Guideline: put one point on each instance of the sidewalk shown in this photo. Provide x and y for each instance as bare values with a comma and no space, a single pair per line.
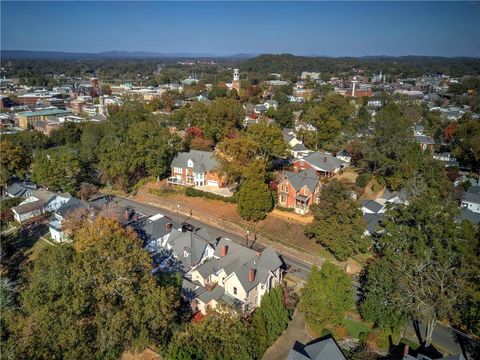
295,332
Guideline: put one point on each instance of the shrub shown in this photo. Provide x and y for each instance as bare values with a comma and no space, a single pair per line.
281,208
380,180
363,179
207,195
363,337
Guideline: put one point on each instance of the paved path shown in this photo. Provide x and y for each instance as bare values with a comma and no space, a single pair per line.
295,332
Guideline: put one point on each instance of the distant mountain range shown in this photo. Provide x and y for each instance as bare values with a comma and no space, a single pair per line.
59,55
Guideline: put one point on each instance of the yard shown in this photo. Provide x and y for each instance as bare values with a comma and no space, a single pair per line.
355,328
23,244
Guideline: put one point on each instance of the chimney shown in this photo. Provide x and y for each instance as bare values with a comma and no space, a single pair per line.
223,250
251,274
135,217
405,351
168,226
127,214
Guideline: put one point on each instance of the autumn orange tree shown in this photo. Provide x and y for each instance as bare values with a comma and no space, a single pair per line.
93,299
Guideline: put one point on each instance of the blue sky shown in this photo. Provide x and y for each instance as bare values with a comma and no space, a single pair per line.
303,28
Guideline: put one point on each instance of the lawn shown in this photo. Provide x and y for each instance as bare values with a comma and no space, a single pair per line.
411,344
354,327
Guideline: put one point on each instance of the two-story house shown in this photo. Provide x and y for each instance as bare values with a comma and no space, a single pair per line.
299,190
235,275
56,225
322,163
195,168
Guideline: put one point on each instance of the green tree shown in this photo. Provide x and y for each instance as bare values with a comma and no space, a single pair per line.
58,169
234,155
254,199
326,297
338,222
94,299
378,301
268,321
328,126
427,249
466,142
12,162
391,151
68,134
219,336
270,139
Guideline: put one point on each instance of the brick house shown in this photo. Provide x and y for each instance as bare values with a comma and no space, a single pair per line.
322,163
195,168
299,190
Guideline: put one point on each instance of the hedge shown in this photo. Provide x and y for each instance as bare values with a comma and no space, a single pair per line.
207,195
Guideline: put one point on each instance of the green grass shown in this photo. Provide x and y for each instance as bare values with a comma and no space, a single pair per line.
354,328
411,344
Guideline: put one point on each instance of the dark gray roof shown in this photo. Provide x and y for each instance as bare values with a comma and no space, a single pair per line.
373,221
203,161
71,205
240,260
469,215
191,243
28,207
19,189
303,178
326,349
422,139
474,190
191,290
343,153
472,197
372,205
322,161
157,228
299,147
214,294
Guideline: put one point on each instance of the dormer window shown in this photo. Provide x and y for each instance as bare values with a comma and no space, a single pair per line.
190,163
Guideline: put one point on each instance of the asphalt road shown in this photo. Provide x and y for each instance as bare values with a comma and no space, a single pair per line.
297,267
446,338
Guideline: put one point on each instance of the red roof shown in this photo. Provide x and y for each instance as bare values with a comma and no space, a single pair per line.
197,317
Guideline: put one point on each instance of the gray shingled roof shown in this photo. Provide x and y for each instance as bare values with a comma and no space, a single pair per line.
71,205
373,221
422,139
214,294
372,205
326,349
299,147
240,260
303,178
194,244
150,230
203,161
28,207
322,161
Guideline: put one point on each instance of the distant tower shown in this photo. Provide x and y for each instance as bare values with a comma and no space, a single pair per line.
354,81
236,80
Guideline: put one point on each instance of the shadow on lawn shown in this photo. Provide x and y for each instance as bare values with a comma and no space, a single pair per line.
15,247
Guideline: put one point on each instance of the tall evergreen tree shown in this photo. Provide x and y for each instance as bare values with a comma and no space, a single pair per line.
254,199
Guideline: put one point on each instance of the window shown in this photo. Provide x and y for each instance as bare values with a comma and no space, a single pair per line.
282,198
177,170
190,163
305,191
235,290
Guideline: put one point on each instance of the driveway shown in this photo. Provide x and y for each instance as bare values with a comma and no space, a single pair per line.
225,192
295,332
